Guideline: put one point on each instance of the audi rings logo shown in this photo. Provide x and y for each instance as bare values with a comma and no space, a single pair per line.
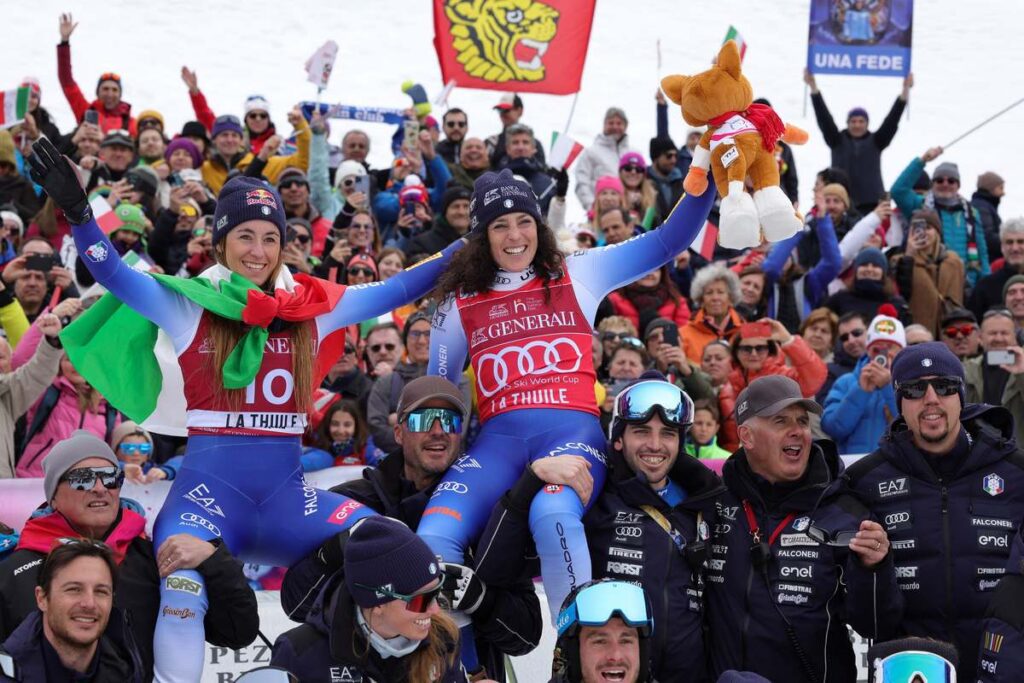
453,486
538,357
897,518
629,531
196,520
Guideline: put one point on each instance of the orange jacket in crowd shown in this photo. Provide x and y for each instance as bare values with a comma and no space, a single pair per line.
699,332
805,366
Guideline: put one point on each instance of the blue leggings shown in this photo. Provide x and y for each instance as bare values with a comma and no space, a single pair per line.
249,492
460,507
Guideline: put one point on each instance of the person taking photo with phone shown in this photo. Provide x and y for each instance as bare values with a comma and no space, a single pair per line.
929,276
994,377
862,403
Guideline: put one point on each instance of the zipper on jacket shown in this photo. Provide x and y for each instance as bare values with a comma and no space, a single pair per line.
948,552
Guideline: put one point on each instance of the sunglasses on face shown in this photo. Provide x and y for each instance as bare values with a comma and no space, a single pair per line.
300,238
964,330
856,334
670,155
377,348
146,124
84,478
293,183
455,124
257,115
361,226
422,420
633,169
916,389
752,349
418,603
631,342
945,181
141,448
365,272
614,336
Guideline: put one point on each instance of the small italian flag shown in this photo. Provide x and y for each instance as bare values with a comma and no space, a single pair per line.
733,34
104,214
564,151
14,106
707,238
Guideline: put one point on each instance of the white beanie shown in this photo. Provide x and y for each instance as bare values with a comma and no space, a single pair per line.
347,168
256,103
10,215
886,328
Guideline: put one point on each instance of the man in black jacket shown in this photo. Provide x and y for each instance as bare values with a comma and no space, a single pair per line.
76,634
989,291
857,150
506,614
948,481
451,224
794,557
82,484
649,525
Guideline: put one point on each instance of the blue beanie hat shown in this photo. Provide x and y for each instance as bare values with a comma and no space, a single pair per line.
497,194
245,199
383,552
873,256
929,359
857,111
224,123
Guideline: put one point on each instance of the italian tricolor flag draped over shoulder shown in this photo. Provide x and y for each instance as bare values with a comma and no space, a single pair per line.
13,106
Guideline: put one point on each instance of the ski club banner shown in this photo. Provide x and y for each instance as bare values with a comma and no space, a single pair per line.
860,37
523,46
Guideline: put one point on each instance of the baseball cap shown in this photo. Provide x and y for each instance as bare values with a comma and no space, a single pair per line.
423,389
770,395
509,101
118,137
958,314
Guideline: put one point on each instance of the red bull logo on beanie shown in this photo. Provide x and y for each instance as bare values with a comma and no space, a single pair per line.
259,197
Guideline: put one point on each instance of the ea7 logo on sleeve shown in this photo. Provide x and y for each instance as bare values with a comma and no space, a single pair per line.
893,488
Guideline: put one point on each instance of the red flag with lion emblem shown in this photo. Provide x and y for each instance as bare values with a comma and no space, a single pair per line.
513,45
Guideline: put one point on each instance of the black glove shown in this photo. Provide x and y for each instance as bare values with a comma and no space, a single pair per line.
58,177
463,588
561,182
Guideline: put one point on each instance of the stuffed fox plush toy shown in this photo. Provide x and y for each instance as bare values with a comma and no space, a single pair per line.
739,142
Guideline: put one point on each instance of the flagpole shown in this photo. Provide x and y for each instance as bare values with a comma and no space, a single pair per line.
805,100
983,123
572,110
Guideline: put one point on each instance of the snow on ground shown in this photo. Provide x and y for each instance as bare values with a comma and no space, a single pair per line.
966,62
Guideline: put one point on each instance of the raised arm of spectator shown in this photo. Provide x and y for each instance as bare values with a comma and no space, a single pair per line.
828,266
902,190
775,262
71,90
661,116
887,131
12,316
852,242
320,193
826,123
202,110
300,158
438,170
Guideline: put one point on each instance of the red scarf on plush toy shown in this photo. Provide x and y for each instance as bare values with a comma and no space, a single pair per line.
764,118
42,533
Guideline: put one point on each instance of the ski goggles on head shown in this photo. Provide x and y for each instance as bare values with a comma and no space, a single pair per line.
914,667
595,605
637,403
422,420
418,602
84,478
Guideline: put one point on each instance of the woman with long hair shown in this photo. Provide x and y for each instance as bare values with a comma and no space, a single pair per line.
379,618
638,190
340,439
522,314
251,342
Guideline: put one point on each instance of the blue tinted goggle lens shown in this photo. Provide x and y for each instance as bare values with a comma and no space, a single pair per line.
596,604
902,667
143,448
422,420
638,403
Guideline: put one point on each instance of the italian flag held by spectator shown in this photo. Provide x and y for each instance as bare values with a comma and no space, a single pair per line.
15,106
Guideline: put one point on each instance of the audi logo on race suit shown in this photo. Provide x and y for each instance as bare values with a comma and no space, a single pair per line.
453,486
539,357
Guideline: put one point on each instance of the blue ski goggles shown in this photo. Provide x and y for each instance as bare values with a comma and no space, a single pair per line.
637,403
595,605
914,666
422,420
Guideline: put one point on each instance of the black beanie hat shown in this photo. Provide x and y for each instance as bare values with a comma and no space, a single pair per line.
384,553
245,199
453,194
660,145
497,194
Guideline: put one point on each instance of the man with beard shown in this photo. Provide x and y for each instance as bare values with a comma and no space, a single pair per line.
948,483
959,331
520,158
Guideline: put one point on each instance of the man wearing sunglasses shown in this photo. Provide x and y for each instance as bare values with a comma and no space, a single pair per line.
293,186
384,349
959,331
778,598
505,609
456,125
82,484
962,229
948,482
665,174
851,343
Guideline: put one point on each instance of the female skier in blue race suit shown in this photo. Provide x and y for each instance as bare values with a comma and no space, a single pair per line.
523,315
242,478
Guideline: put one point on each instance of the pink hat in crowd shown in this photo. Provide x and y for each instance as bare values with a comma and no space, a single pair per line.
608,182
632,159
